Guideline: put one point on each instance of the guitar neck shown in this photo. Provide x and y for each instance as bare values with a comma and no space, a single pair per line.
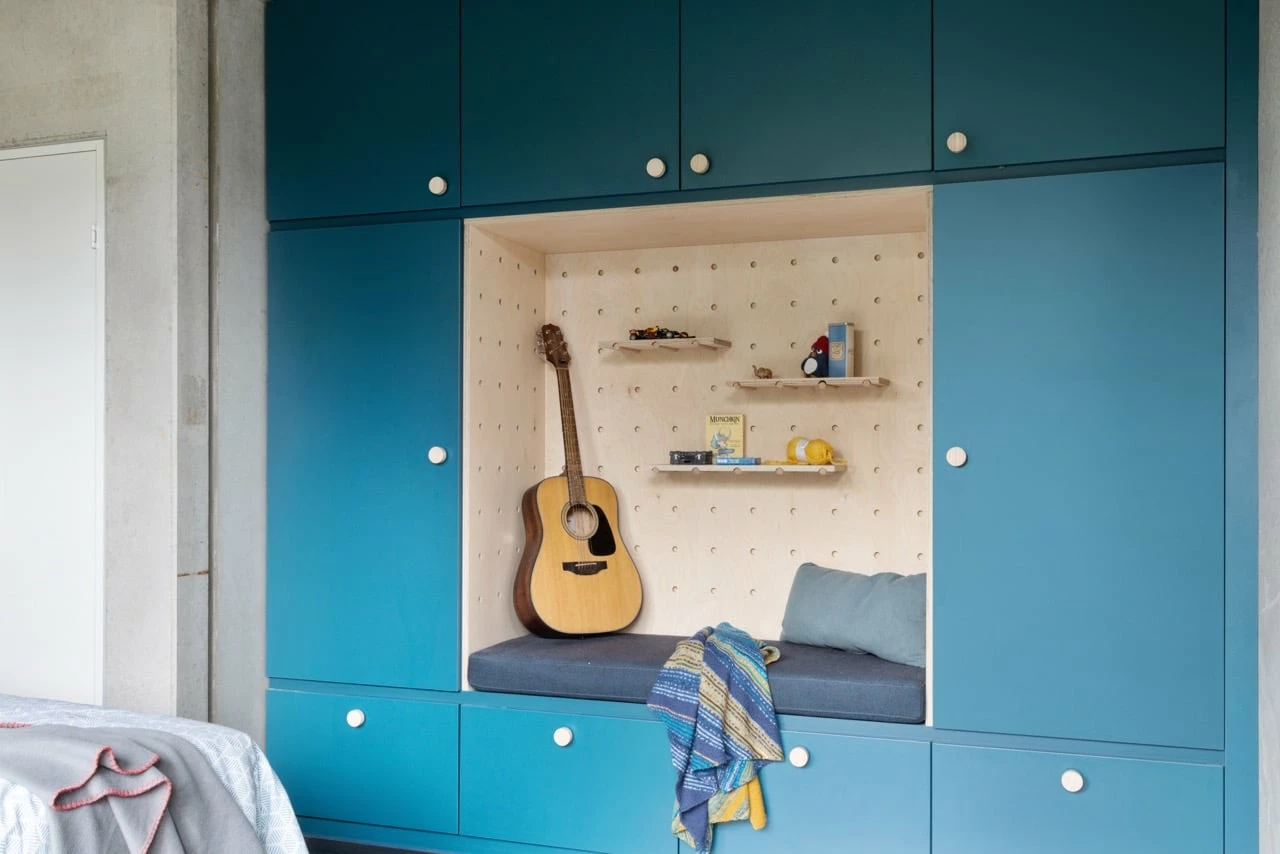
569,427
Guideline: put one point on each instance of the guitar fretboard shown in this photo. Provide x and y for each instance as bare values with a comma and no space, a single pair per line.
569,427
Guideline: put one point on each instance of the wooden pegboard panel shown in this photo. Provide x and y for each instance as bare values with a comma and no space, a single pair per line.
503,443
714,548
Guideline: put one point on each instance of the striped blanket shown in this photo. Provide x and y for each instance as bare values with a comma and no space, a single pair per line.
713,695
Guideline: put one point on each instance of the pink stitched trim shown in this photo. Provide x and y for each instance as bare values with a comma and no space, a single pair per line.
168,793
111,764
106,758
12,725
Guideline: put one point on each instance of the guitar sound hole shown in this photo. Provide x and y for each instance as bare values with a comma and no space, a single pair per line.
580,521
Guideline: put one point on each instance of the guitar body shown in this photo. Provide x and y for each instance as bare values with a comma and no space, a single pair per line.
575,577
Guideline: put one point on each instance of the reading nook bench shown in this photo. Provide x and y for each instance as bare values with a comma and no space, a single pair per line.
806,680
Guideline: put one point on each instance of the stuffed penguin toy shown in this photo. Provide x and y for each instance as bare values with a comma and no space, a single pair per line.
815,364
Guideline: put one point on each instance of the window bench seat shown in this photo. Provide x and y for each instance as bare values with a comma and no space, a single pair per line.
806,680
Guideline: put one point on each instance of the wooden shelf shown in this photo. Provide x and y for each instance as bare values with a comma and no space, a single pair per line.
811,382
760,469
668,344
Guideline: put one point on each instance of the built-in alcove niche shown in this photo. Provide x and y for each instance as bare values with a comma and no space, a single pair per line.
765,276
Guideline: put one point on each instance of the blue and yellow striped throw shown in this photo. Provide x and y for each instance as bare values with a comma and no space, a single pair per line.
713,695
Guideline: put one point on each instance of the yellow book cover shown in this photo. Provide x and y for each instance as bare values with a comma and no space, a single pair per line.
726,435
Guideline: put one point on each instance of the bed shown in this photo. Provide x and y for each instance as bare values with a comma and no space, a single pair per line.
233,756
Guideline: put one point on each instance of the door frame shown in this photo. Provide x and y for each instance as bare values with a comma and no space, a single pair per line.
97,147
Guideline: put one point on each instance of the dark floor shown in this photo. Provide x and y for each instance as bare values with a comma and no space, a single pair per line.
329,846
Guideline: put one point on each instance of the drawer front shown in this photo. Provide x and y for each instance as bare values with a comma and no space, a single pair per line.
611,788
366,759
854,795
988,801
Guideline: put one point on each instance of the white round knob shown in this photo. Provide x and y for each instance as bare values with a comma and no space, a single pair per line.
1072,780
438,186
957,457
355,718
699,163
563,736
656,167
437,455
799,756
957,142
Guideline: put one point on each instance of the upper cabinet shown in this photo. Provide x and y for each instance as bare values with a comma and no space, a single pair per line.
1019,82
565,99
774,92
362,107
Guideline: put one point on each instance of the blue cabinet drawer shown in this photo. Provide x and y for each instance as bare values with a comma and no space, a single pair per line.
854,795
988,801
609,789
366,759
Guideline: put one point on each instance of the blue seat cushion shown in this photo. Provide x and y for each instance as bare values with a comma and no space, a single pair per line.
806,680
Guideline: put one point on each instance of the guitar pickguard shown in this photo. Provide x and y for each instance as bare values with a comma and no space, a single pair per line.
602,543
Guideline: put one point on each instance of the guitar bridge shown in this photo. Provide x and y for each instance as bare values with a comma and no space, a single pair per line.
584,567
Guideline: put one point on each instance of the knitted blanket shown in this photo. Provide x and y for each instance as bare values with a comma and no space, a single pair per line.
713,695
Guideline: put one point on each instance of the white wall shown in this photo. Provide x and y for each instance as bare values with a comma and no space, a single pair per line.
1269,426
72,69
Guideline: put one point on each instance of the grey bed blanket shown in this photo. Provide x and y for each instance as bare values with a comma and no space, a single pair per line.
125,791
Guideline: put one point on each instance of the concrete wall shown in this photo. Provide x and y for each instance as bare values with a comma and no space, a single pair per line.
239,369
72,69
1269,427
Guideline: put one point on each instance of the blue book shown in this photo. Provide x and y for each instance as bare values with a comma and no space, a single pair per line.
737,461
840,361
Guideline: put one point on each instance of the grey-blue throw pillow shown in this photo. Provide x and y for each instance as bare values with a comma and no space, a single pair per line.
882,614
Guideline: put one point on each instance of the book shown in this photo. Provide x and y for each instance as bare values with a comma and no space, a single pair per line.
737,461
726,435
840,362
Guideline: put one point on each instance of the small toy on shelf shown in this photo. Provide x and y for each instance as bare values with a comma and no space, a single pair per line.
657,333
763,373
692,458
815,364
814,452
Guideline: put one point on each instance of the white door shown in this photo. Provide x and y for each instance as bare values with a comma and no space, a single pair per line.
51,414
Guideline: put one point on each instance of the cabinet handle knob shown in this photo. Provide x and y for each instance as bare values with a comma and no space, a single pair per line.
799,756
656,167
355,719
563,736
699,163
1072,780
438,186
957,457
957,142
437,455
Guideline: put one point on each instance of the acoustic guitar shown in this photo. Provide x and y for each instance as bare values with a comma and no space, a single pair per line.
575,577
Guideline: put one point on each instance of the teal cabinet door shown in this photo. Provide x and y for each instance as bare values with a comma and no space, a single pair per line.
363,529
567,781
362,107
366,759
988,801
775,92
1034,82
1078,359
854,795
564,99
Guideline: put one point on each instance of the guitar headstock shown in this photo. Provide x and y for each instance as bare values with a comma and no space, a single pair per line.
550,343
